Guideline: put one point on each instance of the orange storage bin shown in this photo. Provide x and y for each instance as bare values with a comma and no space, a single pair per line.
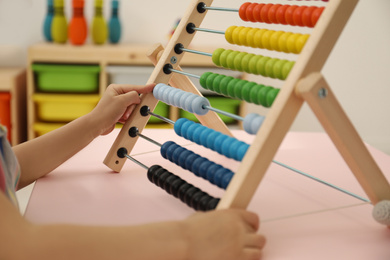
5,111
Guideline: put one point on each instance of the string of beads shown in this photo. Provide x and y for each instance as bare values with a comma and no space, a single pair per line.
280,14
217,175
200,166
252,63
209,138
176,186
200,105
238,88
188,160
179,98
281,41
179,188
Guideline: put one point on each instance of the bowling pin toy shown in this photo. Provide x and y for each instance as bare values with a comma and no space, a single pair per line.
99,26
48,21
114,23
78,24
59,26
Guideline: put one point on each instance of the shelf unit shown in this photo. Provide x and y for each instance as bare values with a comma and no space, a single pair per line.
102,56
13,86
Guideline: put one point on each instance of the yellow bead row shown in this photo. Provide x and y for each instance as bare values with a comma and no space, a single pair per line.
266,39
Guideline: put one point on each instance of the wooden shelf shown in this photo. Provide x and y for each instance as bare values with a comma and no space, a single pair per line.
124,54
101,55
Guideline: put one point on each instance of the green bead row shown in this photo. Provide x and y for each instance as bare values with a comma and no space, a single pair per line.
252,63
238,88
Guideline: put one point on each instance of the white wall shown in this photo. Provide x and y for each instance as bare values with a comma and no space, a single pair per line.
357,69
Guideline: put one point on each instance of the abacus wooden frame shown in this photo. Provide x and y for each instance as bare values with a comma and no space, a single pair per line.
301,85
158,76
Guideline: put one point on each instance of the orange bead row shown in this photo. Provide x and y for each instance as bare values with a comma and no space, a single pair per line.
281,14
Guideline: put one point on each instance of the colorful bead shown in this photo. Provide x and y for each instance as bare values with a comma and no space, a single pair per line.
238,88
266,39
280,14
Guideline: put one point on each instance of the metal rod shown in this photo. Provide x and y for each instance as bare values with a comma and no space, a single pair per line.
136,161
224,113
220,9
321,181
149,139
197,52
185,73
276,162
162,118
207,30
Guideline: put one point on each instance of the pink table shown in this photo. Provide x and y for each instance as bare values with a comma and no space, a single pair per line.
301,218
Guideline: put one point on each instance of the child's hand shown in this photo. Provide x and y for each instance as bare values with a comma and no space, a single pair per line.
116,105
224,234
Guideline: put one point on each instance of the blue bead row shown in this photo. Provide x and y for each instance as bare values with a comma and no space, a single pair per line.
200,166
209,138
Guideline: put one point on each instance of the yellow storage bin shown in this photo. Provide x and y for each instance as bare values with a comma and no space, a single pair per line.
63,108
44,128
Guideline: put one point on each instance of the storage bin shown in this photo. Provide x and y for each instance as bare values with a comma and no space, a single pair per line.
228,105
67,78
65,107
44,128
136,75
5,112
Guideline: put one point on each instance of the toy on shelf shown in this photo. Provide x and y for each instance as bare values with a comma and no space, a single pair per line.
303,82
99,25
114,24
78,25
59,27
48,21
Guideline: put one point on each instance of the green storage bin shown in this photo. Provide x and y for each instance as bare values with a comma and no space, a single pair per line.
67,78
228,105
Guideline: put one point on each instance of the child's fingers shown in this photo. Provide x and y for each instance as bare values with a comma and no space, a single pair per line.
254,241
126,114
251,220
130,98
251,254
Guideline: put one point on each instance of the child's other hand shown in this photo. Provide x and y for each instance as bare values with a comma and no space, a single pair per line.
224,234
116,105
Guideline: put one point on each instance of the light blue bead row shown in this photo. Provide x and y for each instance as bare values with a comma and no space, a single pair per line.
252,123
199,105
179,98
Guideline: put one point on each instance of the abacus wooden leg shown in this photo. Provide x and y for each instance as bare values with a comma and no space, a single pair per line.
263,149
317,93
158,76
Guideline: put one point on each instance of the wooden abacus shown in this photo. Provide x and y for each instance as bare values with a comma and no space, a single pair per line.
303,83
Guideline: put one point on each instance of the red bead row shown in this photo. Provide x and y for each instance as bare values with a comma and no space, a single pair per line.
280,14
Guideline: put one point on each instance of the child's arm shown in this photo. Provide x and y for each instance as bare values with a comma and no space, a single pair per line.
41,155
225,234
